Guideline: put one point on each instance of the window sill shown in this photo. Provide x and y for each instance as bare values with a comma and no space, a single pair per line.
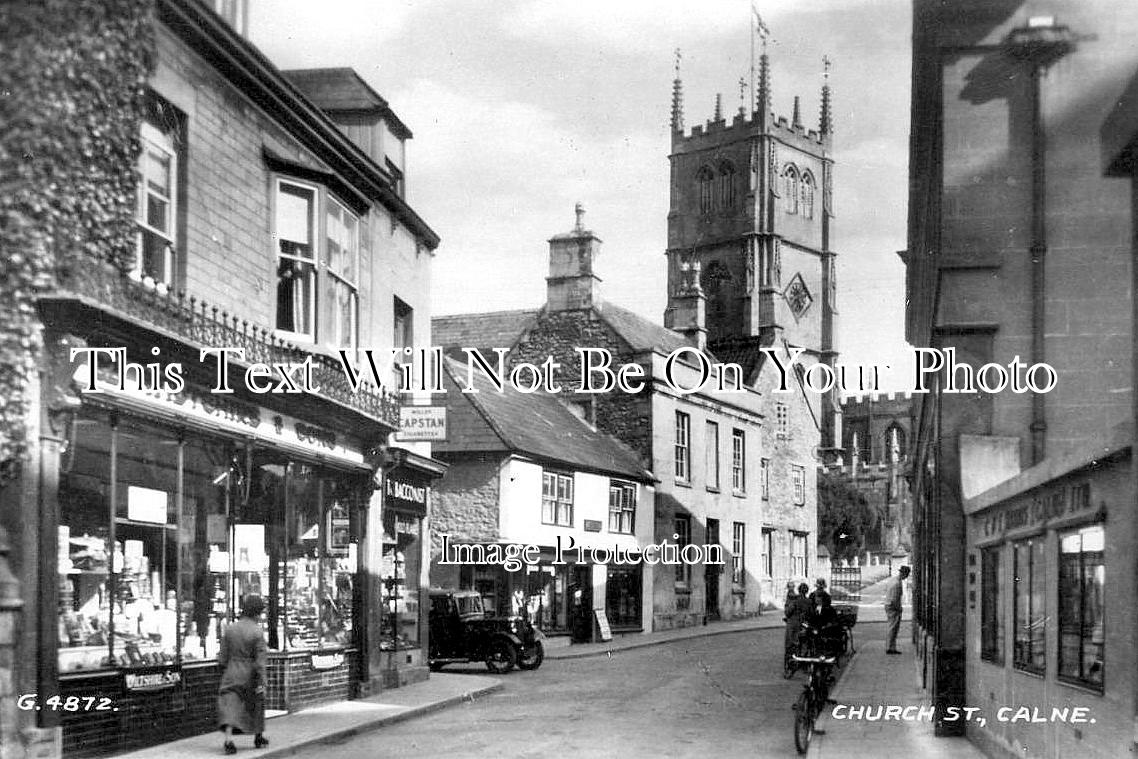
1020,669
1084,687
300,338
682,483
739,493
713,489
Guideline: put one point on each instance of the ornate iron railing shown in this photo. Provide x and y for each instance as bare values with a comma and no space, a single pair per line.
204,325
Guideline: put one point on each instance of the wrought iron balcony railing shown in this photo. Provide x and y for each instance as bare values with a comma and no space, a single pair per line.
203,325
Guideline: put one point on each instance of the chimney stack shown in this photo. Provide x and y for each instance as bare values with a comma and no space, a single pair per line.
687,308
571,284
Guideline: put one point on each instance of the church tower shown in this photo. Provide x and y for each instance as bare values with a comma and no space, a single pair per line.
751,210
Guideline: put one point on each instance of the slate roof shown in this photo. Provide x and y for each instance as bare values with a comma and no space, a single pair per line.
342,89
640,333
496,329
535,424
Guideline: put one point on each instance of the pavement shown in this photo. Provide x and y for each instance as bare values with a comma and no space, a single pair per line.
871,678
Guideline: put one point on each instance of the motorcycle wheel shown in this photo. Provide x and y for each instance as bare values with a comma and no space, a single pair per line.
501,657
534,660
803,723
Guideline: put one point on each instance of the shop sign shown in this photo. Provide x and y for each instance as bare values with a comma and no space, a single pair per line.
1050,503
592,525
227,413
408,493
327,661
146,504
151,681
422,423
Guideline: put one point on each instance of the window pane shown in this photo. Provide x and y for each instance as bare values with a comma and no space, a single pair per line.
294,220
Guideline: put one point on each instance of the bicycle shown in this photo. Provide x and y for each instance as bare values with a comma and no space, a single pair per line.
814,695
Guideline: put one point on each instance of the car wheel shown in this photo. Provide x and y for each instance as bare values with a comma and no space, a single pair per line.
436,666
535,658
501,657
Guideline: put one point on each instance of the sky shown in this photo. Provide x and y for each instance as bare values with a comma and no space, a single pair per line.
522,108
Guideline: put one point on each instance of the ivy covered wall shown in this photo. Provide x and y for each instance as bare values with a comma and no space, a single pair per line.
72,76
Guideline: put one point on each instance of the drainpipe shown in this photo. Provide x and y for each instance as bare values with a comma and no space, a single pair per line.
1039,44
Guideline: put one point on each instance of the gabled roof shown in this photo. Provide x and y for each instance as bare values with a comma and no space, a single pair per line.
534,424
496,329
342,89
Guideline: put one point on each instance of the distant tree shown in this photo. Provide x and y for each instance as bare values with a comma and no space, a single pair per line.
844,516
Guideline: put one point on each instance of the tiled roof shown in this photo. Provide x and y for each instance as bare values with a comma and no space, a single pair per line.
496,329
535,424
640,333
743,351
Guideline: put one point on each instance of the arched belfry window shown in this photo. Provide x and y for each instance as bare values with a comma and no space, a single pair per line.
807,195
706,180
790,186
726,185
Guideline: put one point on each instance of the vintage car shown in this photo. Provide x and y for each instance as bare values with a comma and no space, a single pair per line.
462,631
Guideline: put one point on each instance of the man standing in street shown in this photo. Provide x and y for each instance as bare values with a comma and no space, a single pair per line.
893,610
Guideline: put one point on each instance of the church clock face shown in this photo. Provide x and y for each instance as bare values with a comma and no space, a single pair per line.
798,296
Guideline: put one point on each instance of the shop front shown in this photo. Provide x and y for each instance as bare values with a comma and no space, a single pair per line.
172,508
1051,602
559,598
398,656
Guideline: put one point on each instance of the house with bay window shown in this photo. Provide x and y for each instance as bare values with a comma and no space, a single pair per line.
266,224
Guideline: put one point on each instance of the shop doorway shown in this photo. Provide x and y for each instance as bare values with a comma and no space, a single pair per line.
581,603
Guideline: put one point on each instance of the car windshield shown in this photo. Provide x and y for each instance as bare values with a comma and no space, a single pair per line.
470,606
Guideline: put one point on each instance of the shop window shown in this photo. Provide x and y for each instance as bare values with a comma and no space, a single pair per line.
144,585
682,448
622,507
798,480
557,499
402,562
157,206
711,455
1082,614
738,461
768,553
738,554
991,608
682,536
1028,617
765,478
798,565
623,597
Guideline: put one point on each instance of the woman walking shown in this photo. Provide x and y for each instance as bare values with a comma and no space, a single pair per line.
241,696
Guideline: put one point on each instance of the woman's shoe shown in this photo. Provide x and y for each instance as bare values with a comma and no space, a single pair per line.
230,748
260,741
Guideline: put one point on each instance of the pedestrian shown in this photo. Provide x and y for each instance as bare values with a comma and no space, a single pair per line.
818,594
893,609
241,695
794,612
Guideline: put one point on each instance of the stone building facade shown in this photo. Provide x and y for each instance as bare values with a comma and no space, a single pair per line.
1020,249
215,207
